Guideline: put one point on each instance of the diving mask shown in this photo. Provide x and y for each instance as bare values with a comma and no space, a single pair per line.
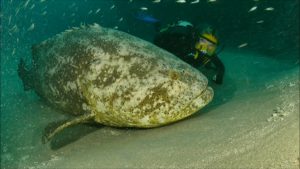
206,46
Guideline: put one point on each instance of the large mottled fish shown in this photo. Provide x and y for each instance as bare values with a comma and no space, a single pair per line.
113,78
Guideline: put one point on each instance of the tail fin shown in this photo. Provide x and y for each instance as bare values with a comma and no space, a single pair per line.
25,75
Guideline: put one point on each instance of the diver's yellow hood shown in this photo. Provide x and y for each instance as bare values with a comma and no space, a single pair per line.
210,37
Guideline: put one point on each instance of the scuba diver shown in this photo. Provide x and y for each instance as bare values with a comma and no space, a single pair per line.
194,46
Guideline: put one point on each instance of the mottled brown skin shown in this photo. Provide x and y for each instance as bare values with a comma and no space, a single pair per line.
116,79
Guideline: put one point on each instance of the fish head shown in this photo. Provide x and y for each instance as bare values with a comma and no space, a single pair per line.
181,91
162,89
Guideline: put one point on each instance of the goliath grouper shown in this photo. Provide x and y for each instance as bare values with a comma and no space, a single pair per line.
113,78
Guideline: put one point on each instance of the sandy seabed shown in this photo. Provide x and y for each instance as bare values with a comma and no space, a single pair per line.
253,122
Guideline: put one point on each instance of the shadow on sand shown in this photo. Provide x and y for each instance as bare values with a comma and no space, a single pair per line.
72,134
222,94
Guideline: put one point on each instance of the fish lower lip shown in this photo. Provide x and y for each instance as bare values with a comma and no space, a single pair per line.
201,92
203,98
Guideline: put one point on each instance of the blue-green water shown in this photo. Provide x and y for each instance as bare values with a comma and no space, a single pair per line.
253,121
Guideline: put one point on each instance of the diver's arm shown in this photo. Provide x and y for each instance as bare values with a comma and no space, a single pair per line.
190,60
220,69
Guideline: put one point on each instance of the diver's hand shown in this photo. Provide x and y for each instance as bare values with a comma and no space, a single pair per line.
214,78
192,55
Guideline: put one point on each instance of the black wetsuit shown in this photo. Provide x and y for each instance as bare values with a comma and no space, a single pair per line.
181,41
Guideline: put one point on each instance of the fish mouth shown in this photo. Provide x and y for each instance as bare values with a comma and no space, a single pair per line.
201,99
203,91
198,102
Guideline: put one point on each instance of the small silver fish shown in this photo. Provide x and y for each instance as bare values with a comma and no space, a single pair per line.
97,11
181,1
242,45
269,9
252,9
26,3
32,6
260,21
144,8
44,13
14,51
196,1
156,1
14,28
9,20
31,27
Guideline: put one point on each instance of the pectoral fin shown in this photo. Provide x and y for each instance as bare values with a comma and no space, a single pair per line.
52,130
